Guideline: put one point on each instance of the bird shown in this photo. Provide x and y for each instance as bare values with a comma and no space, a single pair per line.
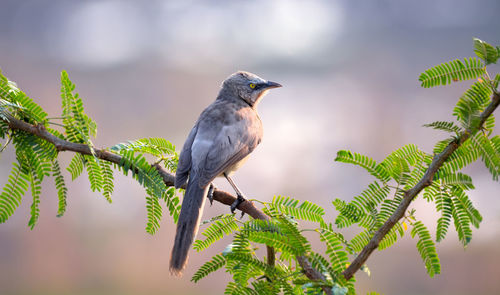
222,138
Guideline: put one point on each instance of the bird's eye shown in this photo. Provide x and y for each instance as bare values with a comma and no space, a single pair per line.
252,85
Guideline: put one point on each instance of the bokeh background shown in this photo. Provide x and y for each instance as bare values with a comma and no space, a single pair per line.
148,68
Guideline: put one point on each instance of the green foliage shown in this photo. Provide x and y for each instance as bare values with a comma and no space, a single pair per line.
217,262
12,193
407,166
133,159
445,205
220,226
154,214
76,166
147,176
458,180
94,172
107,179
471,103
78,126
335,249
456,70
496,81
62,191
445,126
34,156
486,52
305,211
363,161
172,201
18,104
158,147
426,248
282,233
36,188
490,154
37,158
463,156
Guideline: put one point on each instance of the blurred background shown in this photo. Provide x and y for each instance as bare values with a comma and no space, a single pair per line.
148,68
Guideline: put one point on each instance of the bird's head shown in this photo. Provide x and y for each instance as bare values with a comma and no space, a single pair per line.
249,87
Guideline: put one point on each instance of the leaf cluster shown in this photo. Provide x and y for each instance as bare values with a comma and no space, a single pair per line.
38,159
253,275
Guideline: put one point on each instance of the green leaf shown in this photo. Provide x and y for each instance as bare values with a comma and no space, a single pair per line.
363,161
36,188
76,166
156,146
445,206
219,227
371,197
463,156
236,289
456,70
399,162
62,191
465,203
389,206
94,172
154,214
489,154
462,222
107,179
13,191
496,81
78,125
459,179
471,104
217,262
281,235
247,259
418,170
444,126
349,214
151,180
426,248
334,249
305,211
173,203
24,107
321,264
485,51
391,237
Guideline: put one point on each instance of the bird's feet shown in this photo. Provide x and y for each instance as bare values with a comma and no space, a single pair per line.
240,199
210,194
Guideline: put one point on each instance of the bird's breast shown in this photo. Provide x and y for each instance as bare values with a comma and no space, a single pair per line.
236,166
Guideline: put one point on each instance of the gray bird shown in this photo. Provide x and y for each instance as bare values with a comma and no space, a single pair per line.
226,132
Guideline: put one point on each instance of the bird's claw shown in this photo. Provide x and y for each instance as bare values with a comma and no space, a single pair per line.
240,199
210,194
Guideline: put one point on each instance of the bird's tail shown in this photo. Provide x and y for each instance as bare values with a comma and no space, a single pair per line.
187,225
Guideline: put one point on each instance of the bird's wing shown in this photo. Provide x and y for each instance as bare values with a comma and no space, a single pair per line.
184,164
232,144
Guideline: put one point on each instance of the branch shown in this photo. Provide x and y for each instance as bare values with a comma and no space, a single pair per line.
168,178
409,195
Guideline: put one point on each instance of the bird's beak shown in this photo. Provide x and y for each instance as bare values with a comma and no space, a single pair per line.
271,84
